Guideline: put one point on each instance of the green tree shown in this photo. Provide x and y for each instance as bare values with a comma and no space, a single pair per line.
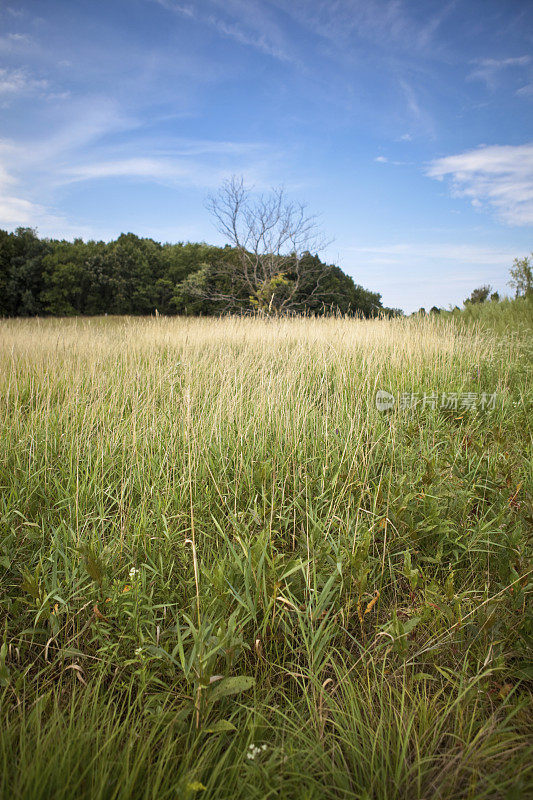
5,272
63,295
191,296
479,295
66,278
132,275
522,276
132,265
24,283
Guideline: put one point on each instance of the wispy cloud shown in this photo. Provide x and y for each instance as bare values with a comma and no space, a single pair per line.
383,22
450,271
16,210
498,176
30,170
393,163
490,70
15,43
19,81
199,164
427,32
246,23
378,41
418,114
525,91
93,148
466,254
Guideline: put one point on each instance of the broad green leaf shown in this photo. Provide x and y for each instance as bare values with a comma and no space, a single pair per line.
236,685
222,726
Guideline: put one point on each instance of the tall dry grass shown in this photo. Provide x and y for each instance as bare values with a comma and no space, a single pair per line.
193,503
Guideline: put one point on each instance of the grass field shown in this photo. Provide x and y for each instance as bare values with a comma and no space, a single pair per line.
224,573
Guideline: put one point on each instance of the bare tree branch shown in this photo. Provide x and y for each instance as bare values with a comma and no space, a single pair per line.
270,236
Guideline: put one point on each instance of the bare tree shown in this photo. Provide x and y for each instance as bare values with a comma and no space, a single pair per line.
270,237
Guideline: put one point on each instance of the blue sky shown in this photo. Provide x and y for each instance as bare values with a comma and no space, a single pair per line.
407,126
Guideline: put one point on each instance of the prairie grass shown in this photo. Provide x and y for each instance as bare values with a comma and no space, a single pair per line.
225,573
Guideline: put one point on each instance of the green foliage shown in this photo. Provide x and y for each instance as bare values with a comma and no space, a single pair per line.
21,268
522,276
479,295
271,294
503,317
132,275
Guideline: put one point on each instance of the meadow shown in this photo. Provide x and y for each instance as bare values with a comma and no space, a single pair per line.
225,573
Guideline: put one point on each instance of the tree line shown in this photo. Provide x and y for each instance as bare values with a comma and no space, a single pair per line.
135,275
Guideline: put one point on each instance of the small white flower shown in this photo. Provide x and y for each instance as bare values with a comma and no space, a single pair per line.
138,651
254,751
133,572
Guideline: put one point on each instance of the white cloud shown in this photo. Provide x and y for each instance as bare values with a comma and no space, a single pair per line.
19,38
385,160
414,274
200,163
418,114
498,176
489,70
17,211
85,149
415,252
245,22
164,171
15,43
18,81
29,170
385,23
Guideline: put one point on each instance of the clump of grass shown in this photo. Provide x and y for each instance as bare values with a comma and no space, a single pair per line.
214,544
503,316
